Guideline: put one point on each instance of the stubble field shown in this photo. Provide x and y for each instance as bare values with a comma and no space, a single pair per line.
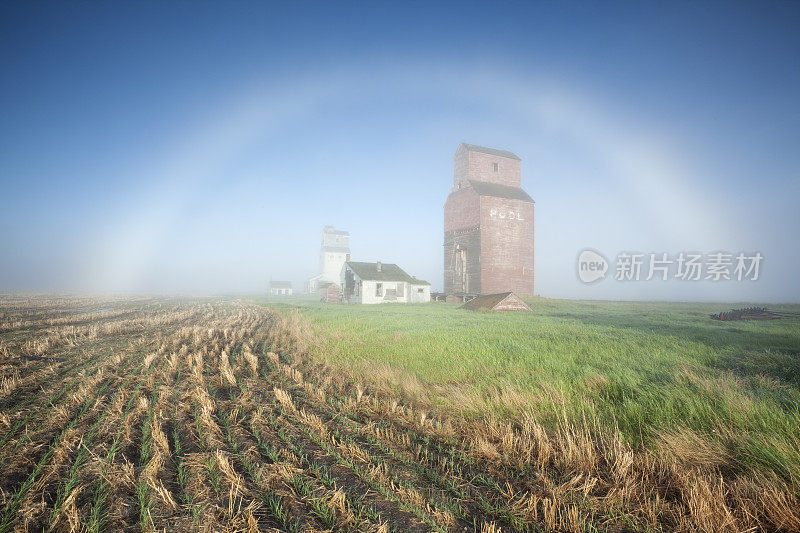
222,415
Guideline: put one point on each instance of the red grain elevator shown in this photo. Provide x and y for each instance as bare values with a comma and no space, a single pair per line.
488,225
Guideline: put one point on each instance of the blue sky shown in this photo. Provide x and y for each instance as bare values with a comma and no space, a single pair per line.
200,147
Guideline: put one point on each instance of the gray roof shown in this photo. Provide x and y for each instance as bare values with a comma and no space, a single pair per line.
500,191
280,284
490,151
389,272
340,249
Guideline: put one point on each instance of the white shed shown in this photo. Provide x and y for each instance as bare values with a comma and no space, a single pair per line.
280,288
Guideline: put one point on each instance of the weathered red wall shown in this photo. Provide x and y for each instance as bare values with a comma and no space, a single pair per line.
460,168
461,228
506,245
470,165
481,168
462,210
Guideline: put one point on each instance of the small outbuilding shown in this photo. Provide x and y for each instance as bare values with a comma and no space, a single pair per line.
374,283
280,288
329,292
503,301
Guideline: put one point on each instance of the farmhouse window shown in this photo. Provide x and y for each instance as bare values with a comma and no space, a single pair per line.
420,291
379,289
495,166
400,290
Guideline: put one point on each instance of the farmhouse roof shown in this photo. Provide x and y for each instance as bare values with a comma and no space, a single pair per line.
490,151
496,190
488,302
280,284
388,272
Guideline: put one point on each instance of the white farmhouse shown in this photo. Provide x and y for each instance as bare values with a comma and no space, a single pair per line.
375,283
333,252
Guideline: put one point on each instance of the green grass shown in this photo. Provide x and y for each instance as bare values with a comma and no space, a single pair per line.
645,367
